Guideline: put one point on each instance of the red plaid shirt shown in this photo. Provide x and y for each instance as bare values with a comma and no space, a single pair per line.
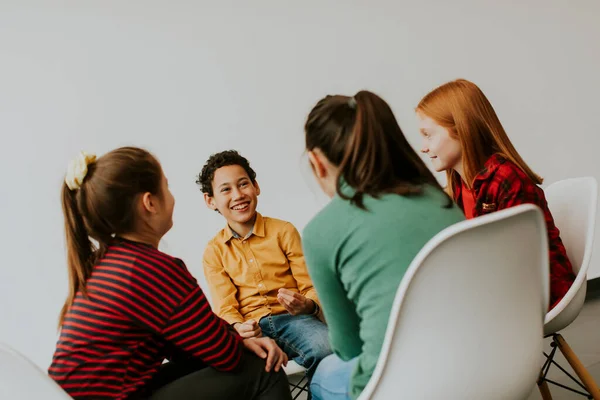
501,184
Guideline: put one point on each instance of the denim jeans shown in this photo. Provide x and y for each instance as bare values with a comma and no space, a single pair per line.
304,338
332,379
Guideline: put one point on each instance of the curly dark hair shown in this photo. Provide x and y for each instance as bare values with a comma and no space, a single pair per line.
218,160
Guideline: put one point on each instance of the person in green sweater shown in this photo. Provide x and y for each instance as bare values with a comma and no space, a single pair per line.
386,205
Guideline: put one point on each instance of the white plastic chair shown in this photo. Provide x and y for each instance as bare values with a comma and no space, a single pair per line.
573,203
467,320
301,386
20,379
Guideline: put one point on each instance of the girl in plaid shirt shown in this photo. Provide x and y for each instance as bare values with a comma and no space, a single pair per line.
463,136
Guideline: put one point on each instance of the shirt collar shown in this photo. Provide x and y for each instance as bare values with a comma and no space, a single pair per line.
489,169
345,188
258,230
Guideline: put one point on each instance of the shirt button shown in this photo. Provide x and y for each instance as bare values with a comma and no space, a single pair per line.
260,285
252,260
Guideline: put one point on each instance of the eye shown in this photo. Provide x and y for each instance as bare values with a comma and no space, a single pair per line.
244,184
224,190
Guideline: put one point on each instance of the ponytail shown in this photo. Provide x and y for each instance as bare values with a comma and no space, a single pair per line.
80,251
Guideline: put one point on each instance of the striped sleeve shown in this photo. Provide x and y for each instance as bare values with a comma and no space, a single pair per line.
197,331
162,296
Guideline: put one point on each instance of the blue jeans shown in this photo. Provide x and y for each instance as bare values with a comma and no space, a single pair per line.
332,379
303,338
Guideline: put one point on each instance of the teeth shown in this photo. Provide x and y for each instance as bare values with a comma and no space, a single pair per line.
240,206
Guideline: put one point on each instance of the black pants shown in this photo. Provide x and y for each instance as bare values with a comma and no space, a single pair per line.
183,380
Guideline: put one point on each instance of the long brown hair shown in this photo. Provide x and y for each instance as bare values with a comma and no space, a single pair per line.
102,207
462,108
361,136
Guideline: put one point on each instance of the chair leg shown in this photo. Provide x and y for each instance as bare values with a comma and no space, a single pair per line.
296,389
544,390
580,370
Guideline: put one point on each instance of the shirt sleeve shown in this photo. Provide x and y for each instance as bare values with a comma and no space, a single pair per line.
165,299
336,306
222,290
292,246
198,332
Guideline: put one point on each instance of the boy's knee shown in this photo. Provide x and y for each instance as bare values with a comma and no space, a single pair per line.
319,350
322,348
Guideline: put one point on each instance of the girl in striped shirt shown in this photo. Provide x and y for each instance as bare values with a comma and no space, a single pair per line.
130,306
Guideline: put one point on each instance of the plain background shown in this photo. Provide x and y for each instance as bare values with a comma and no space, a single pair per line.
187,79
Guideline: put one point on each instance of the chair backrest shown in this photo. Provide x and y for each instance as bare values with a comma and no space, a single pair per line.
573,203
467,319
20,379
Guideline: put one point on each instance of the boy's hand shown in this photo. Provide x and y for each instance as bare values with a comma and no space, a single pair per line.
267,348
295,303
248,329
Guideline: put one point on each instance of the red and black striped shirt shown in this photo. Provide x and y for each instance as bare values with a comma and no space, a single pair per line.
143,306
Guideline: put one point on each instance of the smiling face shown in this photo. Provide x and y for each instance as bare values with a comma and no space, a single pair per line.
442,147
235,196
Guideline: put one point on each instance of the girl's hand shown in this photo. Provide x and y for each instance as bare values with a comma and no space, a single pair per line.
265,347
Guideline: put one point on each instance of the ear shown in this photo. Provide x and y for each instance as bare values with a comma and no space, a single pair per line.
255,183
149,203
317,164
210,202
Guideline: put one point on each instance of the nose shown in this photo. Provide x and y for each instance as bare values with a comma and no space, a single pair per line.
236,192
424,148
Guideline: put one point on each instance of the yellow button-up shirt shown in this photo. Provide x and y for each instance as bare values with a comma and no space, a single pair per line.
245,274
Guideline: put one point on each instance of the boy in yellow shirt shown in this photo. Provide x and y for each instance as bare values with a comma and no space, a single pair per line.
255,266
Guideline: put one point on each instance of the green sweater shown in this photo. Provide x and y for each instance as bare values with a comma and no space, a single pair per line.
356,260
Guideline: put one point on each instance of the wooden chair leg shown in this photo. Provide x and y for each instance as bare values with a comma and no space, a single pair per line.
580,370
544,390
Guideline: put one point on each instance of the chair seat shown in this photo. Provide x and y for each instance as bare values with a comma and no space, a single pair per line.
293,368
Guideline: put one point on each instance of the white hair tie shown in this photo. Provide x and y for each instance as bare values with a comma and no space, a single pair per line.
352,102
78,169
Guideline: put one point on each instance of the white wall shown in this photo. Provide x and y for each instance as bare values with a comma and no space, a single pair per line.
186,79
